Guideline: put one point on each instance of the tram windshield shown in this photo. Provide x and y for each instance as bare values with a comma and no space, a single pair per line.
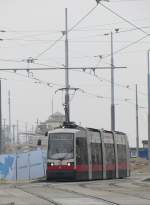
60,146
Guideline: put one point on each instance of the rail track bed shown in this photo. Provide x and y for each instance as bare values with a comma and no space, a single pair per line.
131,191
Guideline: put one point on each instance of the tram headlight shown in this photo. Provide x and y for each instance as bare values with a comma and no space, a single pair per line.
52,163
69,164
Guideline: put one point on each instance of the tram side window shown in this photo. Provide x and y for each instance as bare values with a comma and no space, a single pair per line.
81,151
93,152
110,153
122,157
99,153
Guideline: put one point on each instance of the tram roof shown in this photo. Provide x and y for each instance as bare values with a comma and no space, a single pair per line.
64,130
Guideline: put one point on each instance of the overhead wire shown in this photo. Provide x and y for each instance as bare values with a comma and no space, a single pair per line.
48,40
123,18
37,80
126,100
80,89
80,20
51,46
86,16
127,46
109,81
129,22
76,24
109,24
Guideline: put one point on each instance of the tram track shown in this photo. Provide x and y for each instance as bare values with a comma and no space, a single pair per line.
86,195
128,192
51,201
124,191
108,192
133,192
54,202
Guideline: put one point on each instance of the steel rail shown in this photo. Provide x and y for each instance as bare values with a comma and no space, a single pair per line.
66,190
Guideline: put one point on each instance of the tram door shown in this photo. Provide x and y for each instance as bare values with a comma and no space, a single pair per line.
122,155
81,156
109,149
96,155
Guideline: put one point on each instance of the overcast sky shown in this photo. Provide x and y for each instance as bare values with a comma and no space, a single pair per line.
31,28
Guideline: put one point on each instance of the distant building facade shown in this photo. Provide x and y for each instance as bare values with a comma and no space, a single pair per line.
54,120
145,143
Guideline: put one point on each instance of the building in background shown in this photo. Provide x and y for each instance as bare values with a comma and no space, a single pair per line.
143,151
145,143
54,120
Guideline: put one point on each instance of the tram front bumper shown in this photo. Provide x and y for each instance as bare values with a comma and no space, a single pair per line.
61,174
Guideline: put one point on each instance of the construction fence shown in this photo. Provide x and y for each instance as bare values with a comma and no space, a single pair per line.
23,166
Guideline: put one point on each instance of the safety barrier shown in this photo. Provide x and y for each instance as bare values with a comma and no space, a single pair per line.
23,166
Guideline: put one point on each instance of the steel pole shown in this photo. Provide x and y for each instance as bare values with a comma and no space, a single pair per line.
1,147
148,84
18,140
13,127
112,87
137,123
52,105
4,131
9,107
67,103
26,131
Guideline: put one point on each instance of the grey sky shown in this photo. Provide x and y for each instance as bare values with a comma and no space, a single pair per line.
33,25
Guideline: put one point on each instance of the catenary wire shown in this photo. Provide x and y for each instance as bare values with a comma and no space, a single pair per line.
127,46
78,22
36,79
48,40
126,20
109,81
109,24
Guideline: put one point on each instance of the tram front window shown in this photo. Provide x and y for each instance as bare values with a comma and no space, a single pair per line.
60,146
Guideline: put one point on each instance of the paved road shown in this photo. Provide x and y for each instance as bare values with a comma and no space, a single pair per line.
132,191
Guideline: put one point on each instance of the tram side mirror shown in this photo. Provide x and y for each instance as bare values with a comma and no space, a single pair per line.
46,134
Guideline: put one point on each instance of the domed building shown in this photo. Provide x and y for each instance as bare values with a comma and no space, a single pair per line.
54,120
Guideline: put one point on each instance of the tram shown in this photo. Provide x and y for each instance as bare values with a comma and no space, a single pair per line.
80,153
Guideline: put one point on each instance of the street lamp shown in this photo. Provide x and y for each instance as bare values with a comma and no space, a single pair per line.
148,88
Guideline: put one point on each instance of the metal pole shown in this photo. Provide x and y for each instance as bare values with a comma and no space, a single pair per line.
26,132
4,130
29,165
112,87
0,120
148,84
67,105
9,107
137,123
13,134
18,141
16,166
52,104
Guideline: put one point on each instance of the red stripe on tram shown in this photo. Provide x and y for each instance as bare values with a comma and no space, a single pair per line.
59,168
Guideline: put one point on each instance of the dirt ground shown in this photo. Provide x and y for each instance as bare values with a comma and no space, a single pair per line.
139,165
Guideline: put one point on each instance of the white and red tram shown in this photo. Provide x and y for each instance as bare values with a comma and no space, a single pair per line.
79,153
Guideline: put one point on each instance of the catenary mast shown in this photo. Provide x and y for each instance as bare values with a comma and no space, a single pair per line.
67,103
